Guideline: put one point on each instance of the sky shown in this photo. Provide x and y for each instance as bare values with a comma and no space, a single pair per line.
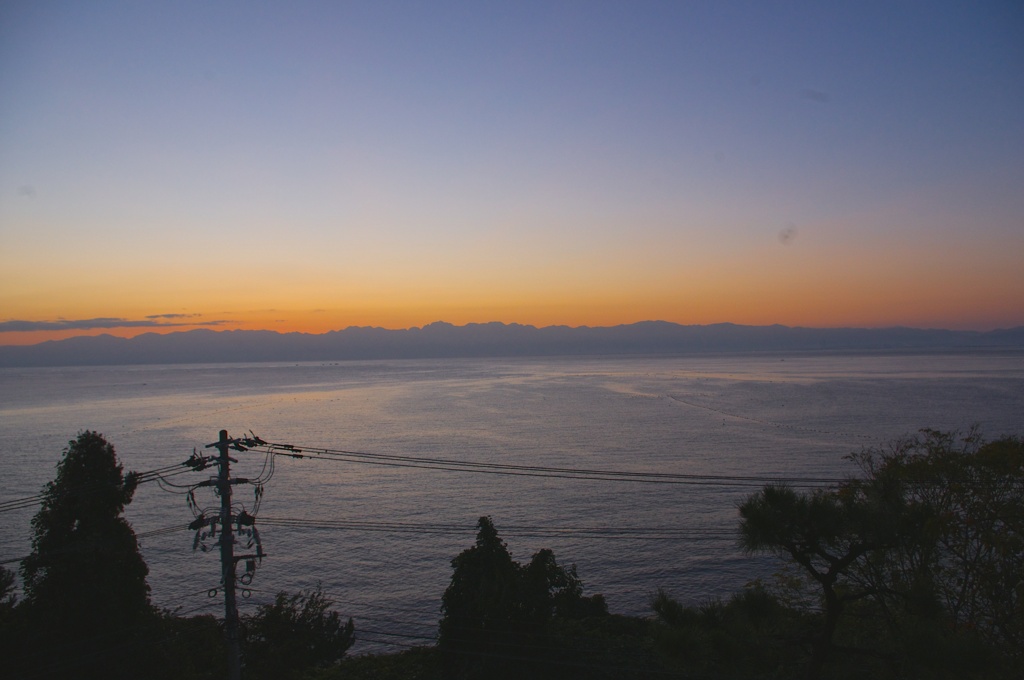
309,166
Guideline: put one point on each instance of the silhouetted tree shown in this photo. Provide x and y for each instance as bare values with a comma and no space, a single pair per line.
293,635
957,582
928,547
737,638
7,598
85,580
9,637
188,648
480,622
496,612
825,532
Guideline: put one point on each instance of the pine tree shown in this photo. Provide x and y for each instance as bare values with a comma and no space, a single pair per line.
85,580
497,612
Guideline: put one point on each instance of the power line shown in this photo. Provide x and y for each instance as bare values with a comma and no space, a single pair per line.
154,475
82,546
536,531
19,503
452,465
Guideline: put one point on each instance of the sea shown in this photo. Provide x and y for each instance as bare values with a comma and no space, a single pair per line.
379,504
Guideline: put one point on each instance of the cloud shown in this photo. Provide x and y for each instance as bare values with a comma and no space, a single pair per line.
173,316
154,321
816,96
787,235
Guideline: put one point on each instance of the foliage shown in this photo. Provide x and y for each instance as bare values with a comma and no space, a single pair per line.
826,533
743,637
496,612
591,648
609,647
187,648
9,637
917,565
418,663
292,635
961,575
7,598
85,580
480,605
913,570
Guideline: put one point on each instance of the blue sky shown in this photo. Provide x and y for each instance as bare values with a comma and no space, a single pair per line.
582,163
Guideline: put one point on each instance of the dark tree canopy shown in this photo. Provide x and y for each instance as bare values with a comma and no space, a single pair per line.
85,580
962,570
292,635
7,598
496,612
825,533
7,608
927,546
482,603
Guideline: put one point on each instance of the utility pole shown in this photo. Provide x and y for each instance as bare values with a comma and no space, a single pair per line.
208,523
227,559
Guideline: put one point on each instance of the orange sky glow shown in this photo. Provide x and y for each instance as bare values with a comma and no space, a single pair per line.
160,173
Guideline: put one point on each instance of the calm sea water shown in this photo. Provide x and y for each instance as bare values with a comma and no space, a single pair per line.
789,416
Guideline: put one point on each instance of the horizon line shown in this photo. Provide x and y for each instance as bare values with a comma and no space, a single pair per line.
152,325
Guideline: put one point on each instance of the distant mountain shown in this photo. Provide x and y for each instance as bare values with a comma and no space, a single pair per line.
441,339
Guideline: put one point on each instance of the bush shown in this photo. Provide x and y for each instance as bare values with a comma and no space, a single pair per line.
293,635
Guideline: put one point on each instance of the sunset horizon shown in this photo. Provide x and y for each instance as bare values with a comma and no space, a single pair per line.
721,302
314,168
23,332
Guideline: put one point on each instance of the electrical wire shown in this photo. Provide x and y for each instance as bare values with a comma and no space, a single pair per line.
157,475
19,503
83,546
161,532
534,531
452,465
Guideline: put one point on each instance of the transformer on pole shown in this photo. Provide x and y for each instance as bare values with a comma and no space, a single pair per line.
229,524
